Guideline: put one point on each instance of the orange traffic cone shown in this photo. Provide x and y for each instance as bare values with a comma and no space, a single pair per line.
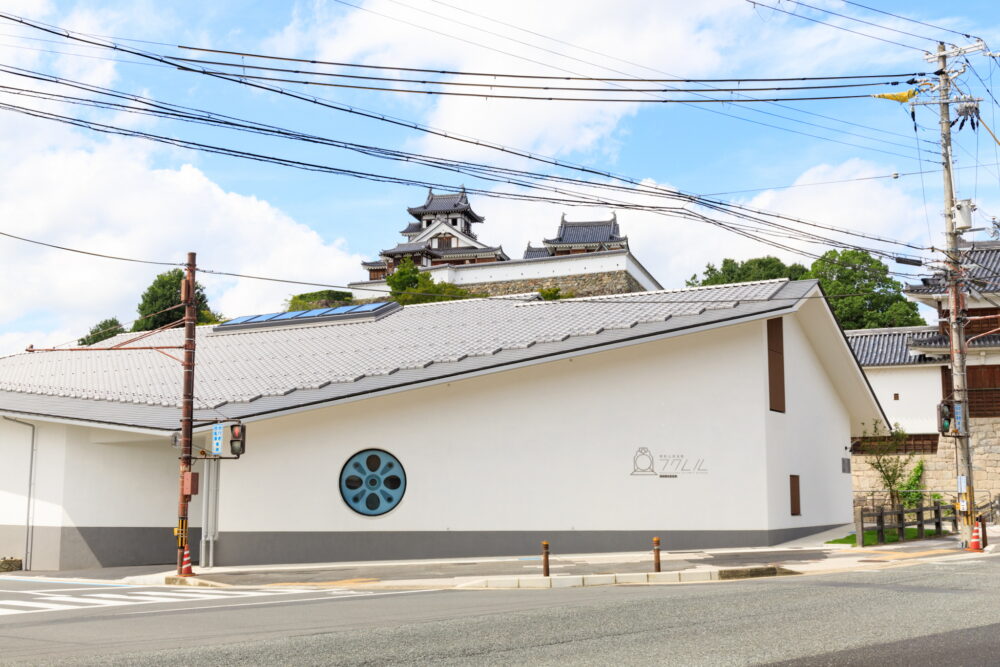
186,570
975,544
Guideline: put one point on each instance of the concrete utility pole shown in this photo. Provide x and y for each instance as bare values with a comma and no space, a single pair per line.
188,485
956,302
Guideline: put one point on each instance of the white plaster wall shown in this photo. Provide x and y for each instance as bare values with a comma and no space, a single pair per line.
919,389
808,439
121,480
15,443
544,447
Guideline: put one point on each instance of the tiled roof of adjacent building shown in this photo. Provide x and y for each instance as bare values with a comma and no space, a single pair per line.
981,262
888,347
587,232
534,253
412,228
257,372
456,202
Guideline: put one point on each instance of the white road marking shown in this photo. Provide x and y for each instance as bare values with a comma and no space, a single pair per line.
263,602
39,601
48,606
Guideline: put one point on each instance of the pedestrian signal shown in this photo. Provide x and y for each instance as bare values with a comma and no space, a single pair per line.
237,439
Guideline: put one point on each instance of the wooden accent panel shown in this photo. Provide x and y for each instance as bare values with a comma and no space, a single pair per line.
793,487
776,364
915,443
984,389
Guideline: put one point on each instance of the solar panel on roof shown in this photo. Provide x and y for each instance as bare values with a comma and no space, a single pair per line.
289,315
340,310
368,307
238,320
316,311
263,318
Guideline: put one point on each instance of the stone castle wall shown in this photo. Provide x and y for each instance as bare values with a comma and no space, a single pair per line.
584,284
939,468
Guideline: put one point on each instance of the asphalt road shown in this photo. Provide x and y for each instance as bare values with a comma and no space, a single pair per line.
932,613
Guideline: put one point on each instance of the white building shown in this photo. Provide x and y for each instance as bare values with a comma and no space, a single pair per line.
715,416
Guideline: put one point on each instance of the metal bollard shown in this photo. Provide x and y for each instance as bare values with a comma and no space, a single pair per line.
545,559
656,554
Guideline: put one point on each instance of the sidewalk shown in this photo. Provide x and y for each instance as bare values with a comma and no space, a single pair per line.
799,557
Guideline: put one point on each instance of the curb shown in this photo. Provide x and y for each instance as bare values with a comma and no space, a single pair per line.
679,577
192,581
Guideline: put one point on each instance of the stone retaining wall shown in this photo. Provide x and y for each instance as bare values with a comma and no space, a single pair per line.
939,468
584,284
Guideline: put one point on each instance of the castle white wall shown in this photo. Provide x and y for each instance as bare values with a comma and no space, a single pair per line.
918,389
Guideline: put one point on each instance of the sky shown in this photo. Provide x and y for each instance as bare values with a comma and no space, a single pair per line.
830,162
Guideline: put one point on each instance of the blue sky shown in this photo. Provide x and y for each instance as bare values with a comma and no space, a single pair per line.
121,195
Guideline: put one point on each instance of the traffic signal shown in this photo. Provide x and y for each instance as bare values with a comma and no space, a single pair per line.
945,416
237,439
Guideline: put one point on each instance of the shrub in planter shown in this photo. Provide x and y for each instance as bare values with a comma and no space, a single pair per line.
10,564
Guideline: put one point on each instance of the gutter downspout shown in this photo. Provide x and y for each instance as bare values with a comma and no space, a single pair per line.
29,517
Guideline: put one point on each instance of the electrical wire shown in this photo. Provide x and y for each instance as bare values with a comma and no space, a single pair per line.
651,69
616,90
755,3
85,252
226,122
904,18
857,20
496,75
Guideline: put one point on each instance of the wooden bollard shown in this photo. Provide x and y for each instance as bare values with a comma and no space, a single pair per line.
656,554
545,559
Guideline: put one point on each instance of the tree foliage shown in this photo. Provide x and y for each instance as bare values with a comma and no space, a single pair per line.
164,292
554,294
327,298
862,294
882,447
758,268
410,285
102,331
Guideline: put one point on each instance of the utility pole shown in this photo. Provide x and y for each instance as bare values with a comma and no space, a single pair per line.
956,300
188,486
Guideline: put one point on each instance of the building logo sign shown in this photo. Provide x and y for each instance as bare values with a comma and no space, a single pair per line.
666,466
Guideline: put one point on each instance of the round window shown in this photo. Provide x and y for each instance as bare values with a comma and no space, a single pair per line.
372,482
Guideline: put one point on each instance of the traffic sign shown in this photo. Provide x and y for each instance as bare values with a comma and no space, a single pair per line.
217,431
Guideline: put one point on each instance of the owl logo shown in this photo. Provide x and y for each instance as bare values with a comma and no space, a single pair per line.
642,462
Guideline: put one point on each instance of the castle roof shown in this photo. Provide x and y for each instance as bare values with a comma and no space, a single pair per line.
453,202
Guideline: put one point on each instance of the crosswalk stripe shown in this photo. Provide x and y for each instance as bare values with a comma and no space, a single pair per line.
82,600
133,597
35,605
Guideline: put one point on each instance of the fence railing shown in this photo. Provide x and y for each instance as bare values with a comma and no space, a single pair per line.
898,519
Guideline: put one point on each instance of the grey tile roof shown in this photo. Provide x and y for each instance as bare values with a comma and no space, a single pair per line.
583,233
888,347
982,264
533,253
413,228
935,340
455,202
248,373
405,248
467,250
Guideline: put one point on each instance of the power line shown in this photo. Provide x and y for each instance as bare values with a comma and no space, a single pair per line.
92,254
617,90
383,117
755,3
651,69
474,169
494,75
904,18
876,25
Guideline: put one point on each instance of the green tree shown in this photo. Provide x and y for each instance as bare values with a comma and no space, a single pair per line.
757,268
554,294
410,285
164,292
327,298
102,331
882,449
861,293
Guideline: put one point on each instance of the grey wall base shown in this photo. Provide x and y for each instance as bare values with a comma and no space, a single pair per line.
78,548
253,548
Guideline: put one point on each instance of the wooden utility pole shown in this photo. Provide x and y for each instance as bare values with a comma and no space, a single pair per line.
187,484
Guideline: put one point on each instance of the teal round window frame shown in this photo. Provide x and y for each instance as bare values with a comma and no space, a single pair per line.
372,482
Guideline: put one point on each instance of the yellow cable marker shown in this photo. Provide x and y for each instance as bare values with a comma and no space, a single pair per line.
904,96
